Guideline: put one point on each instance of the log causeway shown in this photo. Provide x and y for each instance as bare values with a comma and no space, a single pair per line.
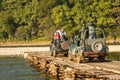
64,69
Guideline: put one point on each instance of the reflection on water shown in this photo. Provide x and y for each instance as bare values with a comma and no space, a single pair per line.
16,68
114,56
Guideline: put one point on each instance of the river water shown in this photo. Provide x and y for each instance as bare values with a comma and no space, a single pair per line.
114,56
17,68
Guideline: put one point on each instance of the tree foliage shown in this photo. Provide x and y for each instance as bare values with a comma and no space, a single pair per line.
34,19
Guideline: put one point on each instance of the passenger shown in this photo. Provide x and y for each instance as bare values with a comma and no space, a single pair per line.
62,34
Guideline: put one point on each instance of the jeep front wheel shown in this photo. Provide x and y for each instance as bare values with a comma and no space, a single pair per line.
54,53
80,58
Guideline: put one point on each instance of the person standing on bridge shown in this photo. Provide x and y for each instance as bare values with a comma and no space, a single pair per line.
92,33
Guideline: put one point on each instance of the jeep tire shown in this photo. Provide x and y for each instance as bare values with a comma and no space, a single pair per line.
97,46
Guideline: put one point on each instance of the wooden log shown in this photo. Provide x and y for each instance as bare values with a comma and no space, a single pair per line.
42,64
53,69
35,60
67,70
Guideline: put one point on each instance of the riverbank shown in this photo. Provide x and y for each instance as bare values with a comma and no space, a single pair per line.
22,49
114,48
10,51
24,43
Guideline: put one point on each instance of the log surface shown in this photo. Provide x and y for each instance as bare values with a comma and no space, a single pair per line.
70,70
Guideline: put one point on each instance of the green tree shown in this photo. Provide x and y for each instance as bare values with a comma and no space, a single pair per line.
62,17
22,33
34,19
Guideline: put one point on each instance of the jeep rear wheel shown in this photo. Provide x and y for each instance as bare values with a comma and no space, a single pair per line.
101,59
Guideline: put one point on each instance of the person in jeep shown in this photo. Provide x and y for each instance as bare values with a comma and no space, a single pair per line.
61,33
60,43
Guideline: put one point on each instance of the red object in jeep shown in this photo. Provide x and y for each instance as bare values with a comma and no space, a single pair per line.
57,35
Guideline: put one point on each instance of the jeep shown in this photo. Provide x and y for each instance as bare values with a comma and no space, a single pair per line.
89,45
59,47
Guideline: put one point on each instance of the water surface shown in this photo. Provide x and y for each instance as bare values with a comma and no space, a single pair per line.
114,56
17,68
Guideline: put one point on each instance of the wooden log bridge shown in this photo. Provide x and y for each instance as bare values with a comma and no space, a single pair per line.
64,69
